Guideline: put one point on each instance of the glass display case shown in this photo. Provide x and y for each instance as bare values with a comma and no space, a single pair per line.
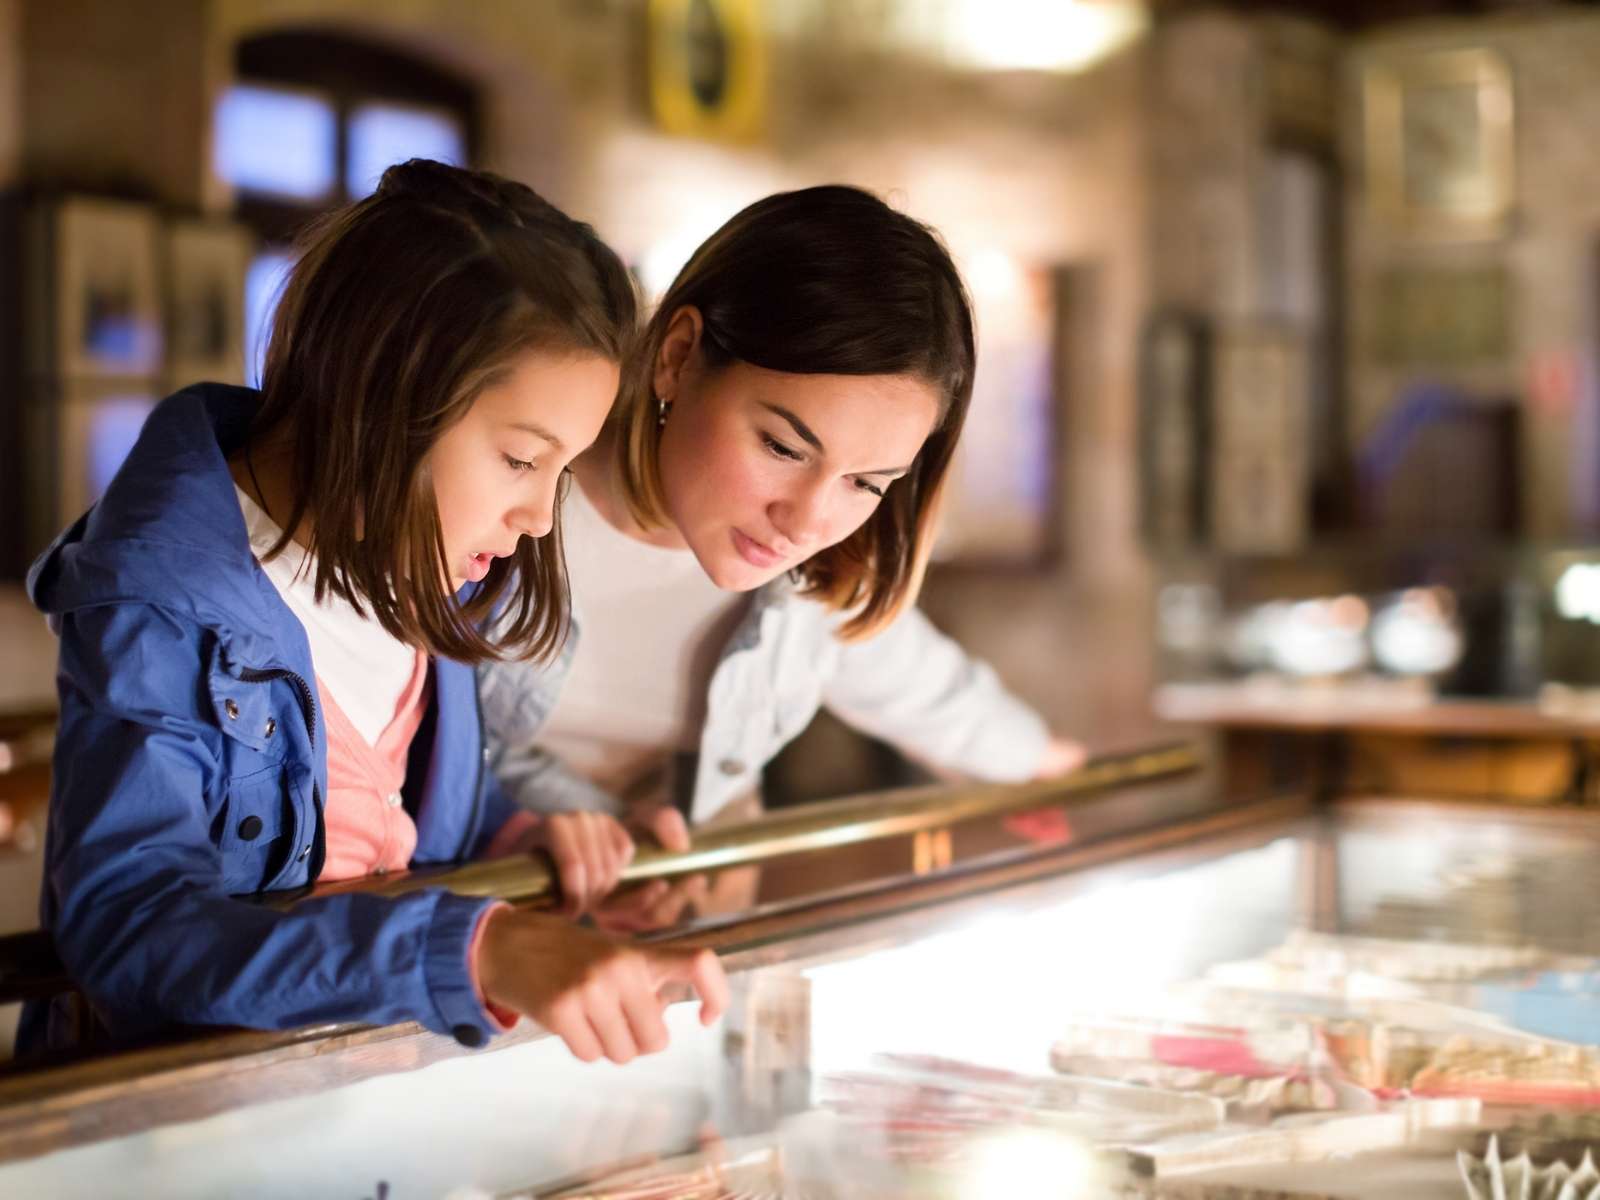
1272,998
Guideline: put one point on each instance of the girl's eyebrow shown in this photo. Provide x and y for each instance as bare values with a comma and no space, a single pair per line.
539,431
803,431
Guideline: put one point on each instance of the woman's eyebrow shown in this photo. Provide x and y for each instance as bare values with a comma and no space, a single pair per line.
800,427
539,431
804,432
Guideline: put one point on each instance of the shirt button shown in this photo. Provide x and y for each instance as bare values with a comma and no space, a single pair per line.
394,799
231,707
272,726
250,828
469,1036
731,766
305,852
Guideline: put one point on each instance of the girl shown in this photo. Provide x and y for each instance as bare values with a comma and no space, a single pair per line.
751,529
267,630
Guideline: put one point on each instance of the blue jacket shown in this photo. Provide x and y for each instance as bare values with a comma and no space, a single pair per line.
190,767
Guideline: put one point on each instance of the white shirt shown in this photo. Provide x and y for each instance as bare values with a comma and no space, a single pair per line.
363,666
652,626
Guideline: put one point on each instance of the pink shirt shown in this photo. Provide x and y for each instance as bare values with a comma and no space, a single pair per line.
367,829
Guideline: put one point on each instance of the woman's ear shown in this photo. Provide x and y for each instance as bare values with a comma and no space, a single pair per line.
678,347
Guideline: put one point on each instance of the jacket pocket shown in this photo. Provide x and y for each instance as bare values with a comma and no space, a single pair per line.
254,827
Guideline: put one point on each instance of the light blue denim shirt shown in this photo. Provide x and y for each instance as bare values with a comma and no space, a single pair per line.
909,685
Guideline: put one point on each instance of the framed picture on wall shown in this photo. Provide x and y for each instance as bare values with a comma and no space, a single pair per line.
1439,142
76,437
708,68
1002,502
101,274
206,262
1174,429
1260,470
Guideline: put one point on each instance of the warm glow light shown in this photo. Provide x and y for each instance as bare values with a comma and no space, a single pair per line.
662,262
993,274
859,1006
1578,592
1037,1163
1025,35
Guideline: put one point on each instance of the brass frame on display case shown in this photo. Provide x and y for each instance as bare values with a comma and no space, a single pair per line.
56,1105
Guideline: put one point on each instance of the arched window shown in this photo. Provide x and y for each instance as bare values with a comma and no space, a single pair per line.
310,123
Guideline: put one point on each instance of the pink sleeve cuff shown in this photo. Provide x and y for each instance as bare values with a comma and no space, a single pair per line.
506,838
503,1019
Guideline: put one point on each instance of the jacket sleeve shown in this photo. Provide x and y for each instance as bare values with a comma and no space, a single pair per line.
139,912
516,699
916,688
538,781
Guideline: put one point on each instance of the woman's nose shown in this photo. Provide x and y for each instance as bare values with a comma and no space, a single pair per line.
802,517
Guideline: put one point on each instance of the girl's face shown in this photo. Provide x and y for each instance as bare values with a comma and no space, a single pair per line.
763,469
496,470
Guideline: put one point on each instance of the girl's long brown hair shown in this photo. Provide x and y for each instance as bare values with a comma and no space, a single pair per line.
400,310
823,281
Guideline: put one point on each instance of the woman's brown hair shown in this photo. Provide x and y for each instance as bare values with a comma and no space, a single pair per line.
823,281
400,310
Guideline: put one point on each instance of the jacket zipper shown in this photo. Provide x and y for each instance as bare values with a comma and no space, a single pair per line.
308,710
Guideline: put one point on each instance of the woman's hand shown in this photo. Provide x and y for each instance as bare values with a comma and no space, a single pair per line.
1050,826
602,998
1061,755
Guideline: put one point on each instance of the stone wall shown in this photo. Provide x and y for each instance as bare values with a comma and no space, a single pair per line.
1044,168
10,90
113,97
1549,250
1047,169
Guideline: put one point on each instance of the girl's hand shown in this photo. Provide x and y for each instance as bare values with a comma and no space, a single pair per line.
590,851
659,903
662,824
602,998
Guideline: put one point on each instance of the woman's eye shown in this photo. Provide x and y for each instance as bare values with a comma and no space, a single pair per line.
778,448
874,489
517,464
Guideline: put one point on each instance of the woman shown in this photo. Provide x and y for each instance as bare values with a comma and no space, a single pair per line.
749,533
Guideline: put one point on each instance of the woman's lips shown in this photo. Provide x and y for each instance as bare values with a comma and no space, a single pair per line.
754,552
478,566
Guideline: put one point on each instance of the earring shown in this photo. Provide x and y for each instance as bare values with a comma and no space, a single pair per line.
663,406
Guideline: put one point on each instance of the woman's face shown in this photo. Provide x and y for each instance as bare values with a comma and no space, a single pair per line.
762,469
496,470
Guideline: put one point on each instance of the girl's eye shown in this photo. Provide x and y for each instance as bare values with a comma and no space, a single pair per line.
779,449
517,464
869,487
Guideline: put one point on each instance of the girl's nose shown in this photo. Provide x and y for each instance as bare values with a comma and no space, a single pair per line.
533,520
537,517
